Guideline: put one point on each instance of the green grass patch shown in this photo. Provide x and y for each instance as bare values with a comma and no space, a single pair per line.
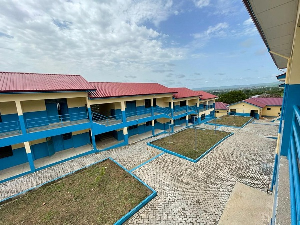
190,142
99,194
236,121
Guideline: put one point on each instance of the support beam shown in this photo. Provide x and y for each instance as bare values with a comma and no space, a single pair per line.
29,156
125,133
21,118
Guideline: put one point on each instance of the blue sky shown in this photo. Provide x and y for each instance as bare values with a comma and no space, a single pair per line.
191,43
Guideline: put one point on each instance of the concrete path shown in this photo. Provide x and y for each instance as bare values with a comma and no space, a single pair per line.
247,205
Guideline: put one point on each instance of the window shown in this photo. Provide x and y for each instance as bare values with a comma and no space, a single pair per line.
182,103
67,136
154,102
147,103
6,151
279,109
132,127
148,123
268,108
1,117
217,111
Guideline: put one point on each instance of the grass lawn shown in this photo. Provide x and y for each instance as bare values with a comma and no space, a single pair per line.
99,194
237,121
184,142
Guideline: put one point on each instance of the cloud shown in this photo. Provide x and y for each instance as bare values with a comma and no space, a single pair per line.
100,39
130,76
247,43
5,35
261,51
248,22
197,74
220,74
201,3
213,31
162,71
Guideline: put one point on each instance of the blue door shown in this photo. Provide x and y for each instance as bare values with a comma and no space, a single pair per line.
68,140
130,108
58,143
63,110
52,112
50,145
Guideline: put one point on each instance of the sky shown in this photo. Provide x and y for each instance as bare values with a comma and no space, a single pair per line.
178,43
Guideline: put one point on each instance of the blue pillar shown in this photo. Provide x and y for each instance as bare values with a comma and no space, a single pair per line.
291,99
94,142
90,114
22,124
123,116
126,139
31,163
153,130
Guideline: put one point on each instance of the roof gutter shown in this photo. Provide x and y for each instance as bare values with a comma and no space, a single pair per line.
251,13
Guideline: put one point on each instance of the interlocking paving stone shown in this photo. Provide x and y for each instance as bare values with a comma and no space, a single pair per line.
188,193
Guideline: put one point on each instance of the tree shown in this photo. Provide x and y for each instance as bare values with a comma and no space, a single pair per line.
232,97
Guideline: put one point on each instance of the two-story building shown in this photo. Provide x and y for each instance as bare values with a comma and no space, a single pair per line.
43,120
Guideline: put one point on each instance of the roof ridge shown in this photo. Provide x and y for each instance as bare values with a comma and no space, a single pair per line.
3,72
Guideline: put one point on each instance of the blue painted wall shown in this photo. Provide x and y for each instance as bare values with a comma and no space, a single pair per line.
39,150
291,99
78,113
119,135
13,124
19,157
117,113
130,108
36,119
81,139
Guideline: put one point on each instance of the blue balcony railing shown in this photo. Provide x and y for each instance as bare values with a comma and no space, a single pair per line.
106,120
52,122
179,110
293,157
160,110
139,114
192,109
10,128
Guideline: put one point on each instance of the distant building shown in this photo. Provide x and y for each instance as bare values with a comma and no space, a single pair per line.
221,109
257,107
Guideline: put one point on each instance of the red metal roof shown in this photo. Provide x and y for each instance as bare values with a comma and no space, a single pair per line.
34,82
221,105
116,89
205,95
262,102
184,93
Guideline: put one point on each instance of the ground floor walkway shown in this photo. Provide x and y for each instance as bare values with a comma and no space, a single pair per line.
187,193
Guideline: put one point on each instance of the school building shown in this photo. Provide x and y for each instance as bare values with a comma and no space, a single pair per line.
257,107
46,119
278,23
221,109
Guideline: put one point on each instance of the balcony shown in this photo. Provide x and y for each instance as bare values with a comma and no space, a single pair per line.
192,109
11,128
293,157
106,120
179,111
162,111
139,115
54,122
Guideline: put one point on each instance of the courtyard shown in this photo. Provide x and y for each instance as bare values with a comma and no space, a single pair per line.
187,193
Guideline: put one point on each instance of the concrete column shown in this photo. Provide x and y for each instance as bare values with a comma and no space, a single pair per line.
123,107
186,120
187,105
21,118
172,109
93,141
172,126
29,156
125,133
206,105
153,128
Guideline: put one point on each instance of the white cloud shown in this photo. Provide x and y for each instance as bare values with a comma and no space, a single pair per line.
248,22
213,31
201,3
92,38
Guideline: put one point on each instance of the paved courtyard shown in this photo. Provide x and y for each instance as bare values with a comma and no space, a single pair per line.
188,193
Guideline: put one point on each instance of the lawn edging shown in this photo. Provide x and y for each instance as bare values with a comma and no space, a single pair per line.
223,125
120,221
187,158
